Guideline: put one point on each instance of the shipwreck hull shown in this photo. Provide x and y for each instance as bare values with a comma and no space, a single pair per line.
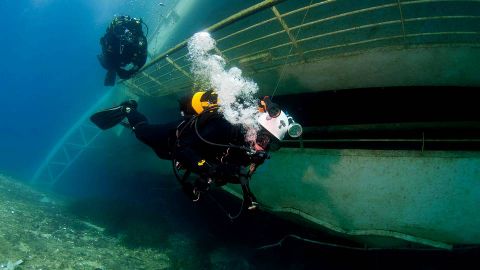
386,67
377,197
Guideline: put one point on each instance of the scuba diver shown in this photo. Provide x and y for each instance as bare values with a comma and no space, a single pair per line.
124,48
205,143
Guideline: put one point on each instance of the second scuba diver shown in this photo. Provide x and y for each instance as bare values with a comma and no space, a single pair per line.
205,143
124,48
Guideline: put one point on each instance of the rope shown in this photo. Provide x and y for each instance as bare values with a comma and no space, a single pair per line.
291,48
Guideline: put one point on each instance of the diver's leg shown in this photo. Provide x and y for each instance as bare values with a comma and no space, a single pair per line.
144,131
156,136
135,119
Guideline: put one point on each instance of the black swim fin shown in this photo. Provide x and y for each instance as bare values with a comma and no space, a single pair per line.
109,118
110,78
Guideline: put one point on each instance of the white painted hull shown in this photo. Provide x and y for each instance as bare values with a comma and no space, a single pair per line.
377,197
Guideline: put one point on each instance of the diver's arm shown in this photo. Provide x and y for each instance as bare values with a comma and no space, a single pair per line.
140,56
248,197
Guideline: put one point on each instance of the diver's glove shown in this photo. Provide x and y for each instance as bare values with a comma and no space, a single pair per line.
250,201
191,192
242,173
251,204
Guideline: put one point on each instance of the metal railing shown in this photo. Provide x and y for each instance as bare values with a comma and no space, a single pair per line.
80,137
272,34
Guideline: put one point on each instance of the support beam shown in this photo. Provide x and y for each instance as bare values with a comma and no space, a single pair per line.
288,31
179,68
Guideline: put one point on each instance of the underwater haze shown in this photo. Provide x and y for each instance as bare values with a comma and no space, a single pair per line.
50,74
120,207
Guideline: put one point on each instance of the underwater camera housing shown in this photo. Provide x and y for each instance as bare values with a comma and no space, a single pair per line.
280,125
276,121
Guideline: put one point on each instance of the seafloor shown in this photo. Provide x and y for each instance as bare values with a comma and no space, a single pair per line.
36,233
41,230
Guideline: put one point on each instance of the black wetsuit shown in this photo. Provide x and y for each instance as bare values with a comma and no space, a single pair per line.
216,153
123,43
